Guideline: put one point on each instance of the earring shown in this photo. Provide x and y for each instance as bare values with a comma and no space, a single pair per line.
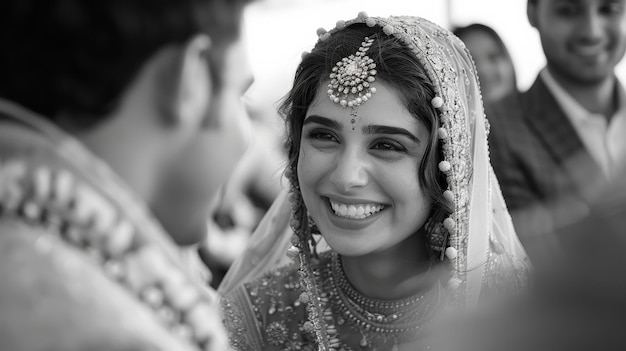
314,229
437,237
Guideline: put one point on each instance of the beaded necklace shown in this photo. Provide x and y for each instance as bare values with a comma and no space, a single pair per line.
379,322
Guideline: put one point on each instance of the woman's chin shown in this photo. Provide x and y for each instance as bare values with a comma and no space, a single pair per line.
345,245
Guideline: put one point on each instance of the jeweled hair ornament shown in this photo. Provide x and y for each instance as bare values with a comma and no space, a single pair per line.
351,78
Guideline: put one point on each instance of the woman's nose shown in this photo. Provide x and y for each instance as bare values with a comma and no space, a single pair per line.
350,170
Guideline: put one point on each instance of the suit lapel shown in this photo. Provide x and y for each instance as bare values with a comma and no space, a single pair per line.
559,137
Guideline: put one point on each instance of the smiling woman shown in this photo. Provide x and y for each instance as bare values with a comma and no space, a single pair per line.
345,168
394,210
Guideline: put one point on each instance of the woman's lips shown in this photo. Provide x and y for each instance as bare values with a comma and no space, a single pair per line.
355,211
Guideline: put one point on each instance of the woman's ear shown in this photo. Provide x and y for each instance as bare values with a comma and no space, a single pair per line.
192,93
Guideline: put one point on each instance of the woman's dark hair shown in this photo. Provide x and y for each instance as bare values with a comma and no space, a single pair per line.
78,56
397,66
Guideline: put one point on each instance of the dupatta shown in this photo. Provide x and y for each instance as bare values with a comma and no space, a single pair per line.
486,248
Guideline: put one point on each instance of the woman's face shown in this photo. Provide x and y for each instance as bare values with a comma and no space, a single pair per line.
495,69
360,180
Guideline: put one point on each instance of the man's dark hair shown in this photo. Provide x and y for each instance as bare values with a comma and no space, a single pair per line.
78,56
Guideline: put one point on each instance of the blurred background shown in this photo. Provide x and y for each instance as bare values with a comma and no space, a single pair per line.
278,31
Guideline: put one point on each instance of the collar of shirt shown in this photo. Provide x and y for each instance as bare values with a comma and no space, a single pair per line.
572,109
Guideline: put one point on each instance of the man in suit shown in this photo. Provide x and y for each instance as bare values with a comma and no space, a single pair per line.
555,145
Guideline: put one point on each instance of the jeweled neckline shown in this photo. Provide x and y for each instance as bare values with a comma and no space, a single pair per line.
399,321
381,305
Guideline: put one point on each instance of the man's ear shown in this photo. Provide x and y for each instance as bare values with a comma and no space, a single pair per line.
192,93
531,12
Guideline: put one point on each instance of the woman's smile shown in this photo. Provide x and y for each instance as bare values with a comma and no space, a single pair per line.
355,211
352,215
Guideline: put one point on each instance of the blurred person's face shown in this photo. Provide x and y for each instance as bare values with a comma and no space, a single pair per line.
184,202
495,68
583,40
360,181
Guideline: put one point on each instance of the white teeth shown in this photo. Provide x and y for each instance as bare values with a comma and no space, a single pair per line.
357,211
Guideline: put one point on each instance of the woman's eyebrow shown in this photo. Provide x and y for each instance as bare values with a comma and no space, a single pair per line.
380,129
331,123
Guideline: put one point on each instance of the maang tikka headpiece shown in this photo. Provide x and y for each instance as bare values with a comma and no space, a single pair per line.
351,78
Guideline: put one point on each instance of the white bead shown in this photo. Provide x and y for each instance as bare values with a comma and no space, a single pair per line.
43,184
31,210
87,205
63,188
199,317
152,263
292,252
437,102
448,195
184,297
304,297
444,166
449,224
153,296
443,133
451,253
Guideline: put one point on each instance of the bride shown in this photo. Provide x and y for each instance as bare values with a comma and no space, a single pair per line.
395,213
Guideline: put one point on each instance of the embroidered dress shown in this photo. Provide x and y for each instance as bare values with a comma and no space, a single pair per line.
311,305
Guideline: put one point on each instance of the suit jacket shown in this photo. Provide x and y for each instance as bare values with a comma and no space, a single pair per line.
546,174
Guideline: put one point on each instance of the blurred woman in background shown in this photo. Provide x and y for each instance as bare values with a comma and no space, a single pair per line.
493,62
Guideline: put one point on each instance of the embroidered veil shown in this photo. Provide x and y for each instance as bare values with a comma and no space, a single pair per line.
482,245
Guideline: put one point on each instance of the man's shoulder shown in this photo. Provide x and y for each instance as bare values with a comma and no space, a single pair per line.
54,296
520,102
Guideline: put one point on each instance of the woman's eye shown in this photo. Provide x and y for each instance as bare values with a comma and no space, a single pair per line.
389,146
322,135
